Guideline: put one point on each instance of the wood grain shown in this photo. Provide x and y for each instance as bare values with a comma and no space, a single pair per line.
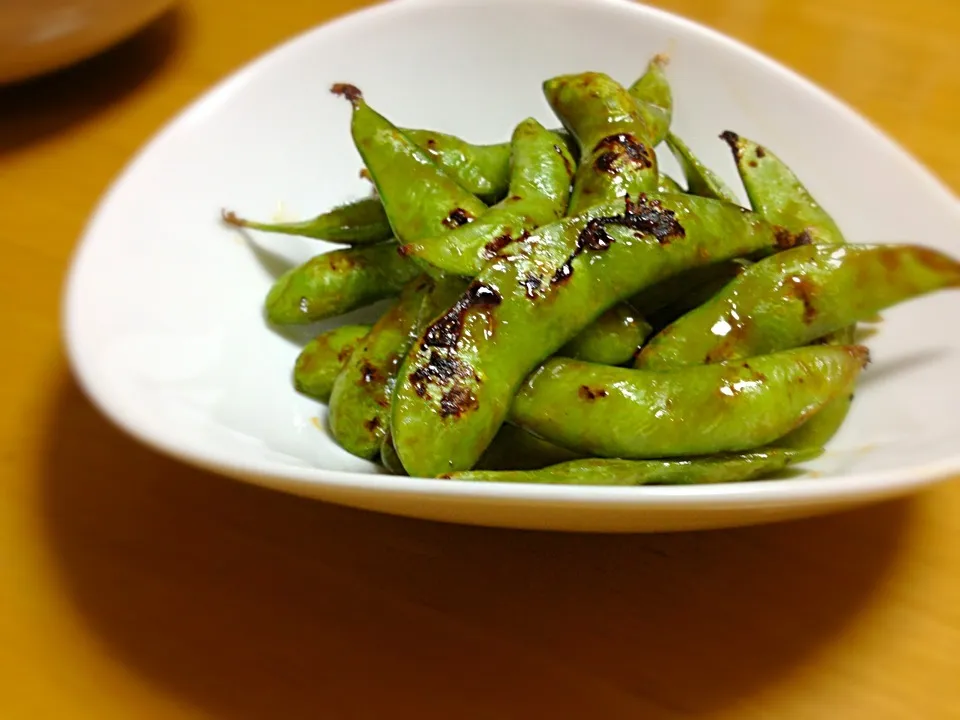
135,587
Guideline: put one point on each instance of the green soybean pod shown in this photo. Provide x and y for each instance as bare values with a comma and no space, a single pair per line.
777,194
709,469
362,222
419,198
456,384
701,180
540,173
797,296
654,99
360,399
726,407
483,170
337,282
612,339
616,153
321,360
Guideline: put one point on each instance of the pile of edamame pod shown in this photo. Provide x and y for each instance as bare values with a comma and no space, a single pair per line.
564,312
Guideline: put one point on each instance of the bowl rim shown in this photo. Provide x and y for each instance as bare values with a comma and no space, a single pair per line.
310,481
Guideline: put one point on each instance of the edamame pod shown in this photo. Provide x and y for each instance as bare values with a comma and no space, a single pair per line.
321,360
654,99
541,171
483,170
337,282
820,428
612,339
480,169
701,180
457,383
362,222
360,399
616,152
777,194
726,407
795,297
710,469
419,198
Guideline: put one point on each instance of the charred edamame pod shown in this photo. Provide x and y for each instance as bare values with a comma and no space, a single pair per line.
616,150
726,407
337,282
795,297
456,385
321,360
541,171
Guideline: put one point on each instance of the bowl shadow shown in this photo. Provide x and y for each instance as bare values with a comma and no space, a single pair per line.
42,106
253,604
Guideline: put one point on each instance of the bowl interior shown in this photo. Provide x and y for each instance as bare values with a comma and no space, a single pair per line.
164,305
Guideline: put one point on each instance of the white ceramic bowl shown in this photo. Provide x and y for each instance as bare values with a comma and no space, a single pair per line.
38,36
163,305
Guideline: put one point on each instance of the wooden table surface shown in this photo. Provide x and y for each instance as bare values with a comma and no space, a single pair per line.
135,587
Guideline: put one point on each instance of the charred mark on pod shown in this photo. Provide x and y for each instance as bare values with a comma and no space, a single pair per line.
446,331
372,425
761,153
644,216
438,370
624,145
588,393
493,248
531,285
457,401
733,140
757,375
456,218
861,353
369,373
936,261
728,346
803,290
350,92
786,240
